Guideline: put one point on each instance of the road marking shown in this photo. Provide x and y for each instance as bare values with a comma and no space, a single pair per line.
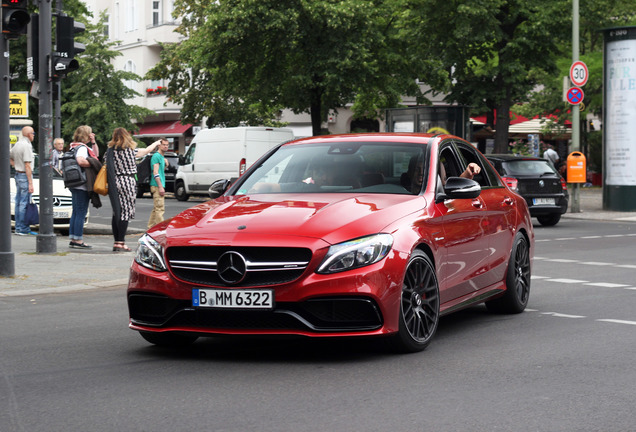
590,263
606,284
539,277
617,321
586,237
568,281
560,315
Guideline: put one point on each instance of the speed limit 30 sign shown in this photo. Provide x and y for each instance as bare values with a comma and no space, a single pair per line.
578,73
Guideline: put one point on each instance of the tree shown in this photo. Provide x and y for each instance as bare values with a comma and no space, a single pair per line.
246,59
493,50
96,93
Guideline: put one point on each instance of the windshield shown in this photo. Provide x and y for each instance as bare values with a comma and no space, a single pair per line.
35,166
341,167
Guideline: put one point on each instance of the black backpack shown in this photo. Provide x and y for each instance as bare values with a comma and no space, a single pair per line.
72,173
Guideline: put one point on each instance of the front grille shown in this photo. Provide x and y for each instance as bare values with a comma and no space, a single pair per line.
263,266
316,315
58,201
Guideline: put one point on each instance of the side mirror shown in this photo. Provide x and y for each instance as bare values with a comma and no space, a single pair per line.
181,160
459,188
218,188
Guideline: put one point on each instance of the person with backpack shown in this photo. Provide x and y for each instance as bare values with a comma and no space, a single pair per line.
79,189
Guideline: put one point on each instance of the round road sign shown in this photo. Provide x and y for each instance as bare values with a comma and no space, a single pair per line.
578,73
575,95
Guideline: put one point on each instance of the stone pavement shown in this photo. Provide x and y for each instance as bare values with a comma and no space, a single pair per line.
79,270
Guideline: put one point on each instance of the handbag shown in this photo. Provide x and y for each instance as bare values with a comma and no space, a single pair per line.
101,182
31,215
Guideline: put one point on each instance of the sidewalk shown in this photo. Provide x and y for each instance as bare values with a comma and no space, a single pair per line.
79,270
69,269
591,206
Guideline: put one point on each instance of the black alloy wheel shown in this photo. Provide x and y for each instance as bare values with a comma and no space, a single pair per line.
419,305
515,299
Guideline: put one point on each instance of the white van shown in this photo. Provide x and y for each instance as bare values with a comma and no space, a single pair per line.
223,153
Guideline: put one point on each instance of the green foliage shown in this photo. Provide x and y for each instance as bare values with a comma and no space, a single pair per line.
95,94
494,50
247,59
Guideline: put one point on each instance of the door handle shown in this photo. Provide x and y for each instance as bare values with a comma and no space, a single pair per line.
508,201
477,204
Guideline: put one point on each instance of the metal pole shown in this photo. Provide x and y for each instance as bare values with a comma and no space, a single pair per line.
46,240
575,207
7,258
57,89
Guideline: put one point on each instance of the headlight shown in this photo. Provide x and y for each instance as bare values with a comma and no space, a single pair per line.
356,253
150,254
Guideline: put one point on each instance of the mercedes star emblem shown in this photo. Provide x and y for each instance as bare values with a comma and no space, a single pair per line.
231,267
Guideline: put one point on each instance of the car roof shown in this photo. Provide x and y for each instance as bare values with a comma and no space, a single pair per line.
510,157
420,138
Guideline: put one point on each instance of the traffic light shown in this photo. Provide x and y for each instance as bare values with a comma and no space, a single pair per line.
64,60
14,18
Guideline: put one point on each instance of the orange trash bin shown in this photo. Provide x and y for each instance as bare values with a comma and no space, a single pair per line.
576,168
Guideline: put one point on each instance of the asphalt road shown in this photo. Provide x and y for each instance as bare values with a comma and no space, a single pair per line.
69,363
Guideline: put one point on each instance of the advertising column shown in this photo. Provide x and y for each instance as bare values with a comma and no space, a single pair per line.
619,112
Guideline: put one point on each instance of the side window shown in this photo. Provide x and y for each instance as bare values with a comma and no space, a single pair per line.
486,177
448,164
189,157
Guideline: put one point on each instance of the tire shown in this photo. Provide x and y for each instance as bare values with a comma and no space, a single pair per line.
169,339
140,191
549,220
419,305
515,299
180,192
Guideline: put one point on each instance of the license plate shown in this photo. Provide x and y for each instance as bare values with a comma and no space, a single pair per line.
543,201
62,215
233,299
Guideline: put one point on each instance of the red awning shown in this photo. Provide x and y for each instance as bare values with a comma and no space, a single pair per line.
165,129
516,118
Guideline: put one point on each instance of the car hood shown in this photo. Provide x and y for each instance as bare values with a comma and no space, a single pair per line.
57,184
330,217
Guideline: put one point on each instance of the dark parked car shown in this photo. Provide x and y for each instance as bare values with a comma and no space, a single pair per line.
144,172
338,236
537,181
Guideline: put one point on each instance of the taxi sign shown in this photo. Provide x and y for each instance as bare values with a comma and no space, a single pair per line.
575,96
19,104
578,73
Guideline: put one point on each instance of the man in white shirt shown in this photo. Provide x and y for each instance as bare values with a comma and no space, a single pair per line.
22,159
551,155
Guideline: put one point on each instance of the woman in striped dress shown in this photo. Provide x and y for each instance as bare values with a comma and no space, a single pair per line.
122,184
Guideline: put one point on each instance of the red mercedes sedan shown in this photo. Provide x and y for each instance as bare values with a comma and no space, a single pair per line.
338,236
